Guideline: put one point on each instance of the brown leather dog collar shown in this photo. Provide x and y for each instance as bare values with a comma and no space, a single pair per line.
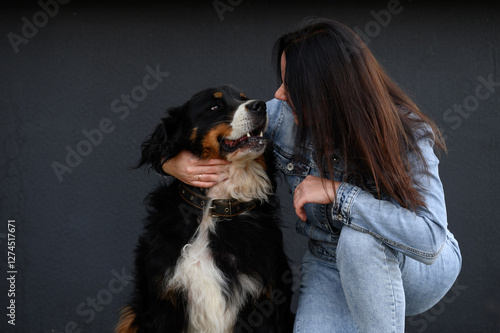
219,207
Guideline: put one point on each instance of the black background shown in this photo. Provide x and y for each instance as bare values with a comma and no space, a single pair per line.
74,235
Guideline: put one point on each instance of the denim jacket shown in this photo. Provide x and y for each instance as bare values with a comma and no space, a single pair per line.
419,235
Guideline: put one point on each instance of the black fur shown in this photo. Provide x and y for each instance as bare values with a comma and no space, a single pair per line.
249,243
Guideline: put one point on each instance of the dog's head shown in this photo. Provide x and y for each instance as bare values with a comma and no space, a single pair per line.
215,123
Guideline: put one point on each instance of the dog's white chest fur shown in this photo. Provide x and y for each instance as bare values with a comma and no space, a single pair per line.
211,306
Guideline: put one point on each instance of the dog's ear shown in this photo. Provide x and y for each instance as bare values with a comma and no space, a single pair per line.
165,142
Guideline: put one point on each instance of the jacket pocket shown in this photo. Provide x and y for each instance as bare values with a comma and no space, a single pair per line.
293,171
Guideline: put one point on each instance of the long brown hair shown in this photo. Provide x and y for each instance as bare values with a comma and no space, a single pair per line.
351,106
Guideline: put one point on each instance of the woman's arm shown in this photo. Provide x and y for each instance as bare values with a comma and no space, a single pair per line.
420,234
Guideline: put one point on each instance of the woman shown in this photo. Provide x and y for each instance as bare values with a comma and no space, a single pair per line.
358,156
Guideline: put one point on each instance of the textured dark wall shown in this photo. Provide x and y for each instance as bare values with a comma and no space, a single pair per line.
63,80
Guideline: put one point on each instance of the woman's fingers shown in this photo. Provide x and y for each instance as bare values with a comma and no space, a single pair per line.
197,172
208,179
211,162
313,190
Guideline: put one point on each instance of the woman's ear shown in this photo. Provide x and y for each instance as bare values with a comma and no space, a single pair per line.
165,142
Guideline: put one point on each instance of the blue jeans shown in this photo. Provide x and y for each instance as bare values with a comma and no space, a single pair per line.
362,285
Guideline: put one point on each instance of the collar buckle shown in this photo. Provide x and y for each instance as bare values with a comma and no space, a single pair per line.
219,207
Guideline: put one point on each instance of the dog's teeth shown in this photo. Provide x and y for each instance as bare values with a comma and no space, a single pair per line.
261,134
248,134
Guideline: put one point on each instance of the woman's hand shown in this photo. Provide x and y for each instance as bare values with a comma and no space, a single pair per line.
313,190
193,171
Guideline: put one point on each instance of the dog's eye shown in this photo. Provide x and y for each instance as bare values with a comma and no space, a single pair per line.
215,107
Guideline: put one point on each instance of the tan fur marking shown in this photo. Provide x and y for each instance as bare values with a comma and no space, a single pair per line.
218,94
169,295
211,143
243,95
262,161
126,323
193,134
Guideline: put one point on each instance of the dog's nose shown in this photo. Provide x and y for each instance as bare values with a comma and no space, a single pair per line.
257,107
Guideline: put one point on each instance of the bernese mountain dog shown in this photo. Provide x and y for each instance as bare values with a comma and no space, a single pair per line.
212,260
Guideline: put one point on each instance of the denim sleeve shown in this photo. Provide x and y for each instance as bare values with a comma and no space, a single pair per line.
420,234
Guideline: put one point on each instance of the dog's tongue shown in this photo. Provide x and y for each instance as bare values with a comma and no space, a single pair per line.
232,143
